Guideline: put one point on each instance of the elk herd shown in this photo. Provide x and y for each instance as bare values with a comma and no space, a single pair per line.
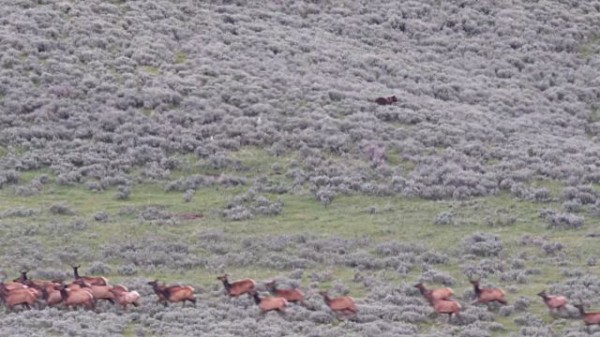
86,291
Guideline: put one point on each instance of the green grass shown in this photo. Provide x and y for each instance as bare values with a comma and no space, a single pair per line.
407,220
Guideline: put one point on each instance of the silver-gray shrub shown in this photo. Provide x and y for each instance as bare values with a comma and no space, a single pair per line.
482,244
444,218
556,220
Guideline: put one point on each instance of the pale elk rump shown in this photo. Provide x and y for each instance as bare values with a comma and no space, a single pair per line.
125,297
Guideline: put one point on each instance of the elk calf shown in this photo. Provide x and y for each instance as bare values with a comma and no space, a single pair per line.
239,287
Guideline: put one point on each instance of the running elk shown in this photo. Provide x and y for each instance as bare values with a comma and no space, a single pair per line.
99,292
488,295
269,303
37,284
434,294
125,297
77,297
24,296
239,287
553,301
291,295
341,304
175,293
92,280
589,318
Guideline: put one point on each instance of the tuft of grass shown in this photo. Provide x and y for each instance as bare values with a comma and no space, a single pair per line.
180,57
152,70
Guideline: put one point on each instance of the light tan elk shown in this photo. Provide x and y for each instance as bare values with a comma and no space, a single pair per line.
239,287
125,297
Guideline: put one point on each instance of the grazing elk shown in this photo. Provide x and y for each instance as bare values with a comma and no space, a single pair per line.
25,297
386,100
589,318
488,295
92,280
239,287
434,294
77,297
125,297
341,304
553,302
267,303
291,295
175,293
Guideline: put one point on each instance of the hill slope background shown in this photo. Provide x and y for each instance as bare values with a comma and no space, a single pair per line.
182,139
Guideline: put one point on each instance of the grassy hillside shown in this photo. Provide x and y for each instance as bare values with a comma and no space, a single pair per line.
179,140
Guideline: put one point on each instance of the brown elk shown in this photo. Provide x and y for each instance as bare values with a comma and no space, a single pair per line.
267,303
24,296
77,297
589,318
99,292
37,284
488,295
341,304
386,100
174,293
125,297
434,294
51,294
446,307
239,287
557,302
291,295
92,280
